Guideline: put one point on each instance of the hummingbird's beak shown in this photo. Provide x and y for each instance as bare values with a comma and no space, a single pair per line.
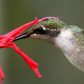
27,34
22,36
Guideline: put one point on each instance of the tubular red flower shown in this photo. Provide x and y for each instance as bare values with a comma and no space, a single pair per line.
48,18
7,41
1,74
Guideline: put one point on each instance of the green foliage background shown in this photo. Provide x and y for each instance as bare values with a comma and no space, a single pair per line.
53,65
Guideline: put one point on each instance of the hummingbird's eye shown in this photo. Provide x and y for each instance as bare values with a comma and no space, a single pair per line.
39,30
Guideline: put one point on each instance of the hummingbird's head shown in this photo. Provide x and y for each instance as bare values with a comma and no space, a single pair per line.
45,30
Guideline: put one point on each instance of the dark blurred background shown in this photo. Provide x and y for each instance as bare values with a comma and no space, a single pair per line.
53,65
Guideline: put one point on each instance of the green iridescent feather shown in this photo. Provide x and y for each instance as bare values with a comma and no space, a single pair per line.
52,23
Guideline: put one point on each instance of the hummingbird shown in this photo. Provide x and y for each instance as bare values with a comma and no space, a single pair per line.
68,38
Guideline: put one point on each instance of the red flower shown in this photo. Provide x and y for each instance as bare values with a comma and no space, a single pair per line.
1,74
7,41
48,18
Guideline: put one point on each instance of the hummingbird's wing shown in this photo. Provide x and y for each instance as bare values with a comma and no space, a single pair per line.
79,35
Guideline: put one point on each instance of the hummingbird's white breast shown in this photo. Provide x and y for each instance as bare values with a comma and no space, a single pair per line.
66,41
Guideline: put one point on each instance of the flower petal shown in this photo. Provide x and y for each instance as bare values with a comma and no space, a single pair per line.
1,74
5,40
37,73
33,65
19,30
48,18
